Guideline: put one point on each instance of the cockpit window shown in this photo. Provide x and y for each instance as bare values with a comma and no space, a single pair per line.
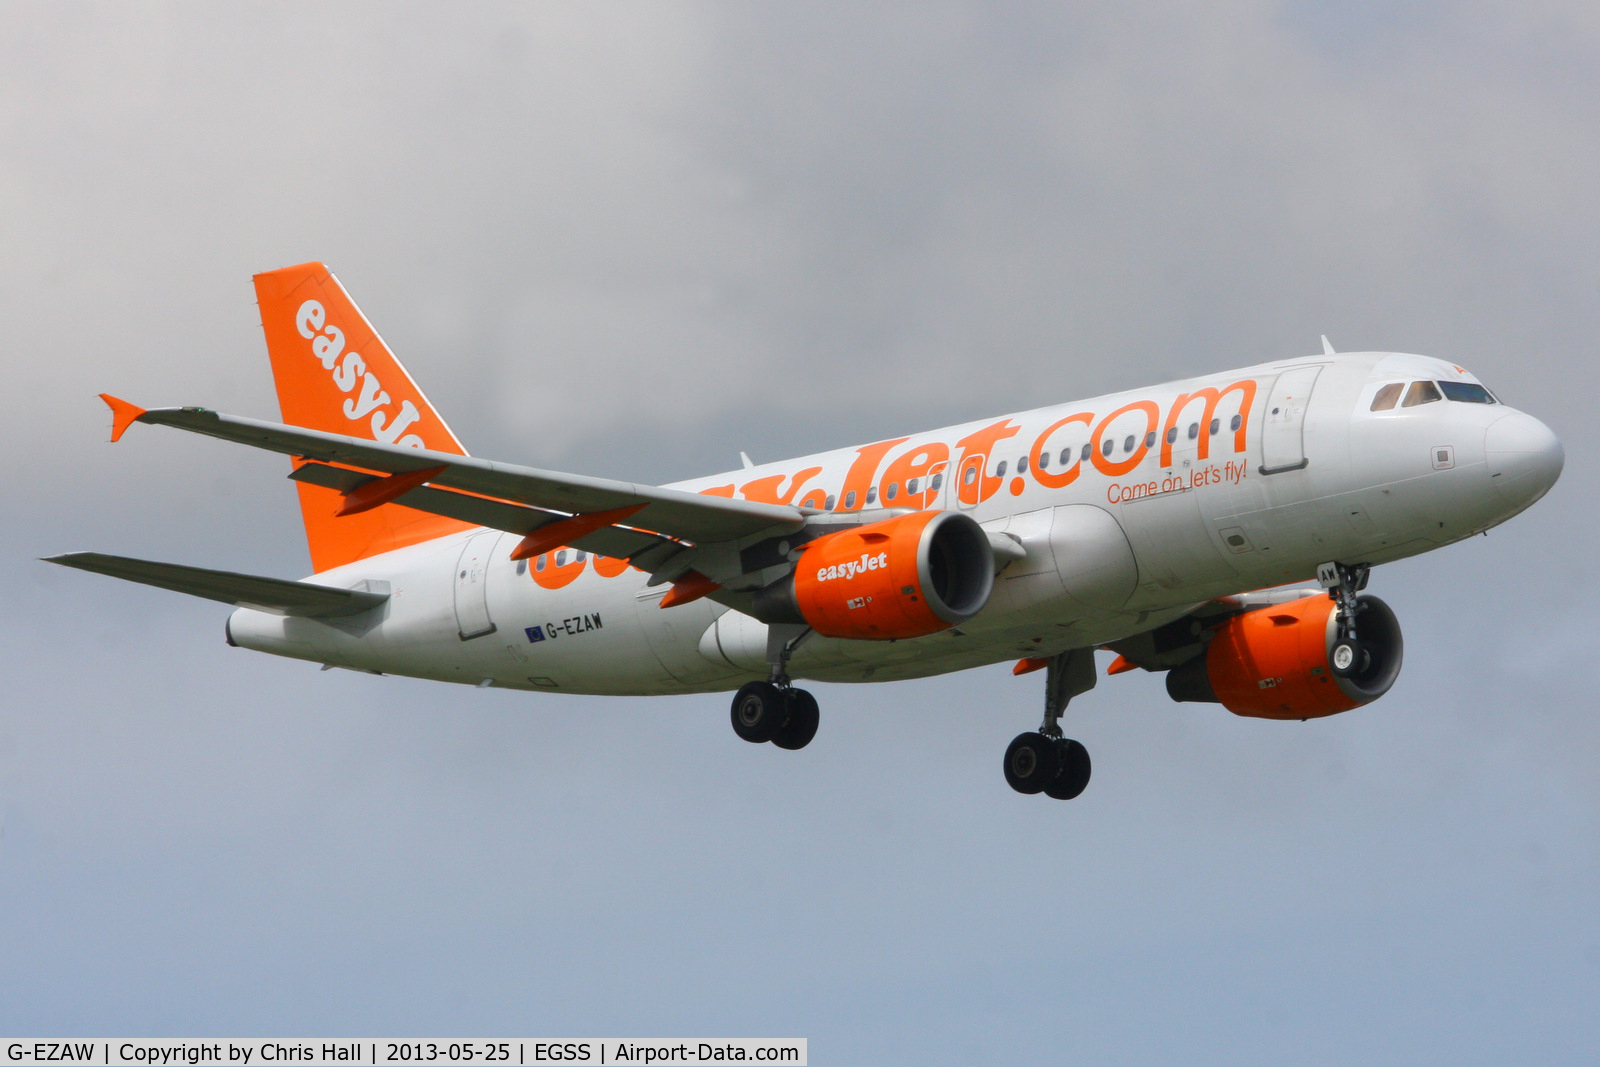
1421,393
1385,398
1466,392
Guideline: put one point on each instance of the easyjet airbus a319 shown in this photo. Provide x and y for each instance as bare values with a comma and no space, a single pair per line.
1156,524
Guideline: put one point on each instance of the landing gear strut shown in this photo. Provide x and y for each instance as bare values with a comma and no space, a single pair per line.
1343,581
774,710
1044,761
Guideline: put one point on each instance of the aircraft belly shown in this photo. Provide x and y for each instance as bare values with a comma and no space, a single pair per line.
1173,547
674,636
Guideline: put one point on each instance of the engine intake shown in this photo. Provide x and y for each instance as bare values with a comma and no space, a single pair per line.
1273,663
908,576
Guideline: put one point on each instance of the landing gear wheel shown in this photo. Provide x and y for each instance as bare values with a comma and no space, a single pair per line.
802,724
760,710
1348,657
1074,775
1032,761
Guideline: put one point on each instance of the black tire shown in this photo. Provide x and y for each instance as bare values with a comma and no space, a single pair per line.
802,725
759,711
1347,657
1031,763
1074,776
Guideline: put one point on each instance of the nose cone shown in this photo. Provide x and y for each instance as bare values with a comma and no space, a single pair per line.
1524,457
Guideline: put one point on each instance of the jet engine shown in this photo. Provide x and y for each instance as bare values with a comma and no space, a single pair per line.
1277,662
908,576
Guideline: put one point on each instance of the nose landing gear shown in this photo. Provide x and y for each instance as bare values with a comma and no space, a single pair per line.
1348,657
1043,761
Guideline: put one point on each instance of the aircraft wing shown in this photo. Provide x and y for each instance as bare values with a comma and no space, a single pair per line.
619,542
273,595
691,517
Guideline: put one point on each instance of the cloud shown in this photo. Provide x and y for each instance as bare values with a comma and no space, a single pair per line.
633,240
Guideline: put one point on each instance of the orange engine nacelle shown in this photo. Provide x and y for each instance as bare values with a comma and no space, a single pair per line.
908,576
1272,663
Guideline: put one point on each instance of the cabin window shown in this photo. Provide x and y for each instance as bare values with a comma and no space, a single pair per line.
850,500
1127,443
1066,455
1044,461
969,475
872,496
1150,439
892,491
1194,430
936,481
580,556
1022,465
561,558
827,503
1384,399
1466,392
1107,448
1000,471
1216,424
522,567
1172,434
912,484
538,564
1421,393
1236,422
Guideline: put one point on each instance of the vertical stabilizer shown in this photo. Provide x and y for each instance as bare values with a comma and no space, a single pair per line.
335,374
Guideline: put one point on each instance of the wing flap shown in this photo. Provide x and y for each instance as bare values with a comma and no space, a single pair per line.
276,595
691,517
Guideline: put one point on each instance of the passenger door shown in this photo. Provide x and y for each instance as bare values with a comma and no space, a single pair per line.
472,588
1284,418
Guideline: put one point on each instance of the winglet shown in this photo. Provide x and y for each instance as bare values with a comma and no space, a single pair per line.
123,415
1327,346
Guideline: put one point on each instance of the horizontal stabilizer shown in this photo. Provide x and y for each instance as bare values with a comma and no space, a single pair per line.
275,595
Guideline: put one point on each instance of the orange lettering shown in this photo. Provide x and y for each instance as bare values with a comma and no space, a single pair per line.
974,484
853,494
1057,479
765,490
552,574
1212,397
917,462
1103,463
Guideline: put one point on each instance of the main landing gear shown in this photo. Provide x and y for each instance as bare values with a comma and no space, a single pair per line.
1044,761
1349,656
764,711
776,711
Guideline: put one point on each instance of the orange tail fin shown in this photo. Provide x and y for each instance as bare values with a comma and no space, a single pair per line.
335,374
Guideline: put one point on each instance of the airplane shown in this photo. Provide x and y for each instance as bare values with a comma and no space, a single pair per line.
1160,524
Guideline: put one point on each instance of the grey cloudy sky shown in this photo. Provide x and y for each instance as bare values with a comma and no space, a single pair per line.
634,239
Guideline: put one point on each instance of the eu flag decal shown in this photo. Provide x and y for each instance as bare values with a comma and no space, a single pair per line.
535,634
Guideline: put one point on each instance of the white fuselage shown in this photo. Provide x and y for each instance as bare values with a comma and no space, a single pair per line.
1175,506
